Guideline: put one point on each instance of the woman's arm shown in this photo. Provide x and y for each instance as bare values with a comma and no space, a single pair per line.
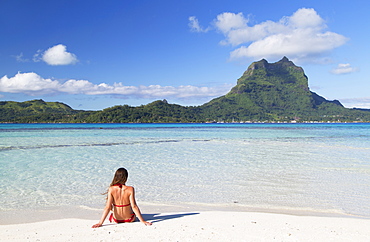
107,209
136,209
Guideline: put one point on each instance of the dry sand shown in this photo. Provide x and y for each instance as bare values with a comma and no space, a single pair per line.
197,226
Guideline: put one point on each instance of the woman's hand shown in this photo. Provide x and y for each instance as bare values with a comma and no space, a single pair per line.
96,225
147,223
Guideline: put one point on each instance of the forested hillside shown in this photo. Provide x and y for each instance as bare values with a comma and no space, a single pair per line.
268,92
35,111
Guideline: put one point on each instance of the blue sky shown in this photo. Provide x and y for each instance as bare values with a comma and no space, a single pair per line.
96,54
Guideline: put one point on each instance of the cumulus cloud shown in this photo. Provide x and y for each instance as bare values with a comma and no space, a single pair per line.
300,36
228,22
195,26
33,84
55,56
28,83
344,69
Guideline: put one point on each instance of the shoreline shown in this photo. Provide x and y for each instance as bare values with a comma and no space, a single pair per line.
196,226
92,213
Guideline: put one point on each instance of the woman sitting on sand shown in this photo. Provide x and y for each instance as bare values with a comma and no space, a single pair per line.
121,200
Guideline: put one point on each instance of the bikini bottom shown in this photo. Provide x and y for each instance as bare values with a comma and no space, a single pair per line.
132,219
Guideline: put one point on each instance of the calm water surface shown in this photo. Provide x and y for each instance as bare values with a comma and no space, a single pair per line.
322,168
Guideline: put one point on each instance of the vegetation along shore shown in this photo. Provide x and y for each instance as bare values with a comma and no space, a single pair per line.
266,92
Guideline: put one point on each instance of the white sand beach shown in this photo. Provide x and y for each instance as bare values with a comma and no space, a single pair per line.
197,226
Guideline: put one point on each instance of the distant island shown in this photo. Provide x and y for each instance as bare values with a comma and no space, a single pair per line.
266,92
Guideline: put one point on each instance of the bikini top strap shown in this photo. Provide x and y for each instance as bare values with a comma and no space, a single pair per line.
118,184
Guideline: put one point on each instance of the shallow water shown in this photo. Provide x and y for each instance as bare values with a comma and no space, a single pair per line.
322,168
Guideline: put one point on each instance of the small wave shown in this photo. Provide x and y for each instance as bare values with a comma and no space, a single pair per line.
89,208
6,148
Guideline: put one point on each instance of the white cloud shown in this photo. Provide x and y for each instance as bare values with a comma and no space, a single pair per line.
344,69
305,18
20,58
227,22
57,55
195,26
356,102
36,57
302,35
33,84
28,83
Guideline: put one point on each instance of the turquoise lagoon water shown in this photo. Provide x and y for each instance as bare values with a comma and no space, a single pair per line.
322,168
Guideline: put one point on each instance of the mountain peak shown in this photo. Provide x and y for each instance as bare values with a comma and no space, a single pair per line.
285,62
284,59
266,68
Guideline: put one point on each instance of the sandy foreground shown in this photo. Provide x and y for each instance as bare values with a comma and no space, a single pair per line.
197,226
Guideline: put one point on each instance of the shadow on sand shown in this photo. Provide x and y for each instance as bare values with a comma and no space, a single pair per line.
157,217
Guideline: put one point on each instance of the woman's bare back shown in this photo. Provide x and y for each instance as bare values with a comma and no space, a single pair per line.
121,205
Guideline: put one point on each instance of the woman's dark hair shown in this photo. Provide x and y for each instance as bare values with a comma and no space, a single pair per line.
120,177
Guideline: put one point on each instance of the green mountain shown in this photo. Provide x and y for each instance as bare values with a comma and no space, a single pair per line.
155,112
274,91
265,92
35,111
